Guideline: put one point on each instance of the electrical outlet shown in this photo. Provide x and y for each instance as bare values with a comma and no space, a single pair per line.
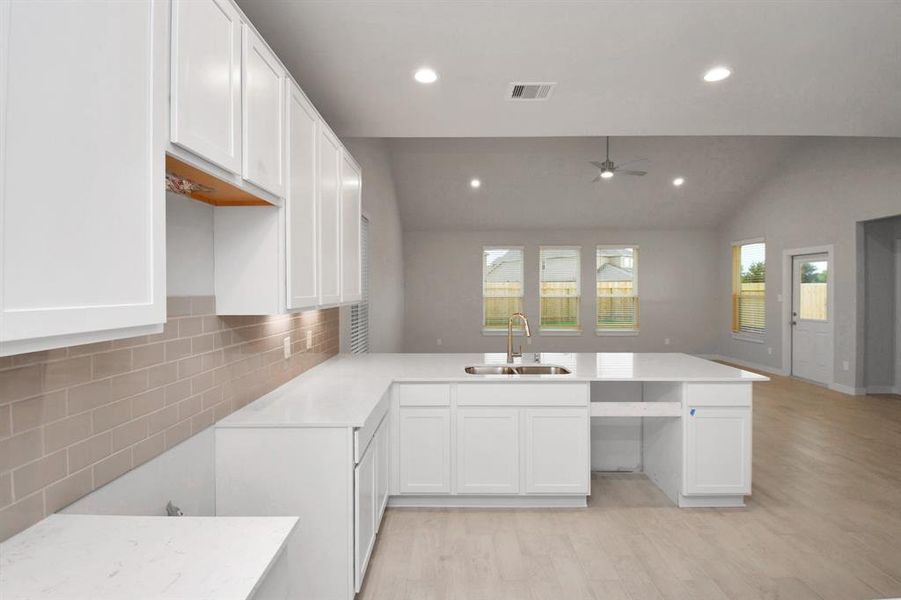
438,342
666,341
769,350
778,297
286,344
845,365
309,339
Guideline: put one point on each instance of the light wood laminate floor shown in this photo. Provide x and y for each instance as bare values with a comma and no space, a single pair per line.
824,522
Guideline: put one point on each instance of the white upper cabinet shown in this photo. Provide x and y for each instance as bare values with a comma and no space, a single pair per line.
206,80
263,111
82,237
329,218
351,260
302,247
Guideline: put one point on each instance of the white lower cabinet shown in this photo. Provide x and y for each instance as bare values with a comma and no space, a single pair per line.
487,450
424,440
717,450
382,467
365,510
557,451
493,439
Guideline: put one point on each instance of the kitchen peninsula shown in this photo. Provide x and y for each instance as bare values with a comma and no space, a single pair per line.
342,441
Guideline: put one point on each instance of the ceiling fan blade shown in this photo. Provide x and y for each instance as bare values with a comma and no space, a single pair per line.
632,162
627,172
596,179
596,164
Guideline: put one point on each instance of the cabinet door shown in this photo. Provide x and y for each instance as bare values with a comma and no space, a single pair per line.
206,80
82,232
329,218
300,203
364,513
351,259
263,115
424,441
557,452
717,451
383,460
487,449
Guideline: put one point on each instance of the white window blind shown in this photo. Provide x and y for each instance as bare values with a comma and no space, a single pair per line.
502,285
359,313
617,288
560,288
749,288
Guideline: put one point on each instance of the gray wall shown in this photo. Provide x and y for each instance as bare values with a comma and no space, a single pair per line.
386,272
881,306
677,274
818,198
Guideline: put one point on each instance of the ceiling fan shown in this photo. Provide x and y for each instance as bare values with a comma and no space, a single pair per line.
608,168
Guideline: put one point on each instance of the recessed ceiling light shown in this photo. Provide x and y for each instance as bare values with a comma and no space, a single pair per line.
425,75
475,183
717,74
606,174
678,181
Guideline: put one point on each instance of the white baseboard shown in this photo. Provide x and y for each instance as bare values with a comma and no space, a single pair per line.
883,389
847,389
746,364
580,501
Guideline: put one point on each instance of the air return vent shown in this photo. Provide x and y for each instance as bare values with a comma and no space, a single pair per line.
529,91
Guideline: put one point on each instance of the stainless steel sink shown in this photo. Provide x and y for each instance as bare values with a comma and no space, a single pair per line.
517,370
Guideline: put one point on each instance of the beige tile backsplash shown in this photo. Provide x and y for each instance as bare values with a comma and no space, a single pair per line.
74,419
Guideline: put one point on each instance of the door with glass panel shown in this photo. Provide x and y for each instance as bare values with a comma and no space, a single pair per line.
811,318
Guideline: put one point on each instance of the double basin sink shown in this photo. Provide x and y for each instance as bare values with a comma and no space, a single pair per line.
517,370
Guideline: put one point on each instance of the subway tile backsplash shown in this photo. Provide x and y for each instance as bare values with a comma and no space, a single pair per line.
73,419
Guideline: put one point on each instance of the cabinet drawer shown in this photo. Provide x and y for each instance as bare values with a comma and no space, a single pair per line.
522,394
718,394
423,394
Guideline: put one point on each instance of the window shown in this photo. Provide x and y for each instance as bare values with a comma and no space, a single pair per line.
617,289
560,289
359,313
502,283
749,288
813,304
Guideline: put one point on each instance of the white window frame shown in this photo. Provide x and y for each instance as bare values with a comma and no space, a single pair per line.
557,330
635,290
502,331
747,336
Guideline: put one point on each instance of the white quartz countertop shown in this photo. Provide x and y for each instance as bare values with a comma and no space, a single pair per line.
344,390
103,557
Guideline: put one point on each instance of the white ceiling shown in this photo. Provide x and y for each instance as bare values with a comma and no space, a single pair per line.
545,183
622,68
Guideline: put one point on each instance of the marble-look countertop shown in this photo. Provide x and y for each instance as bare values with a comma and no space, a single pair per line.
344,390
103,557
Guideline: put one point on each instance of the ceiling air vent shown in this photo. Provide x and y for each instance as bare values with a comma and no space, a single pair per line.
529,91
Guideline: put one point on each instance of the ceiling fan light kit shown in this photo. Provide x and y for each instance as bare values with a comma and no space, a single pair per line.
608,168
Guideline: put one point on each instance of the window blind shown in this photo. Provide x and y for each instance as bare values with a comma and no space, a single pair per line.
617,288
560,287
749,288
502,285
359,313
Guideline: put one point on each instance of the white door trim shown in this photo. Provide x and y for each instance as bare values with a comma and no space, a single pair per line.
787,291
898,319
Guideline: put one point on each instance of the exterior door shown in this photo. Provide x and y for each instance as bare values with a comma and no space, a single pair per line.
811,318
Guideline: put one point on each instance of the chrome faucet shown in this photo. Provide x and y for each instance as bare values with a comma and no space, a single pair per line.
525,321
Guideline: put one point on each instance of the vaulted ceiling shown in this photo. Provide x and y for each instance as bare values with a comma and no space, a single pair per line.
621,67
538,183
